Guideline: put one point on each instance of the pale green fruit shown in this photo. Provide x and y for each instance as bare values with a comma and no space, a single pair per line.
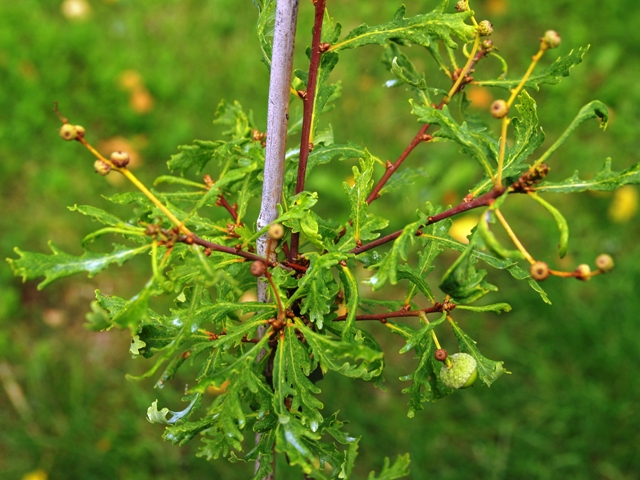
463,371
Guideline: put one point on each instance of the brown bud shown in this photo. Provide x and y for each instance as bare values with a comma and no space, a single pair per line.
539,271
258,268
120,159
441,354
324,46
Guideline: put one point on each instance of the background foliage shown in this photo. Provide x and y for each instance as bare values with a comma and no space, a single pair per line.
151,75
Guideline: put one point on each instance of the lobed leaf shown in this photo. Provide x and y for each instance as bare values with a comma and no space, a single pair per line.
605,180
551,75
59,265
423,29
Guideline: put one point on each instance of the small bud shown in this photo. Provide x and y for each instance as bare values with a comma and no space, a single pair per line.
80,130
604,263
101,167
462,6
551,38
120,159
324,46
539,271
441,354
276,231
68,132
583,272
485,28
487,45
499,109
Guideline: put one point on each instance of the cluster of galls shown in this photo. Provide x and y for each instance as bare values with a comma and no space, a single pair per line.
118,159
459,371
604,263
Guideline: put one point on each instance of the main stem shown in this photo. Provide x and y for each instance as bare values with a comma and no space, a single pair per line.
277,116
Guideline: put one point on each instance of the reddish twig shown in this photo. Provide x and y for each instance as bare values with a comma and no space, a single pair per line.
422,136
482,201
382,317
194,239
233,210
308,100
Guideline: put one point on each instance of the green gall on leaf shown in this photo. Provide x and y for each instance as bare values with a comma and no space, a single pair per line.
68,132
551,38
462,372
485,28
605,263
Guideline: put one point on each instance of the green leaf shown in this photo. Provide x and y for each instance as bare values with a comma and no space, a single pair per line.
595,109
474,141
264,27
98,214
563,244
387,267
421,29
499,263
319,286
399,469
291,368
462,281
495,307
605,180
405,72
197,155
492,242
420,336
358,193
528,138
549,76
488,370
354,360
59,265
352,299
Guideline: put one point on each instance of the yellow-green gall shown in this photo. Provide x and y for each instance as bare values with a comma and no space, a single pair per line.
120,159
499,109
101,167
551,38
604,263
485,28
539,271
583,272
68,132
276,231
462,372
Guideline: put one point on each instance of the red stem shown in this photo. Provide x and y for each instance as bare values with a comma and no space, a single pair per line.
482,201
308,102
232,210
218,248
382,317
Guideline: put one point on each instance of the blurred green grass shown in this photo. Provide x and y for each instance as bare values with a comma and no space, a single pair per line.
568,410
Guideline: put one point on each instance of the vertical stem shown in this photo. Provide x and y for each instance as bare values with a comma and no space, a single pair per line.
277,117
307,118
